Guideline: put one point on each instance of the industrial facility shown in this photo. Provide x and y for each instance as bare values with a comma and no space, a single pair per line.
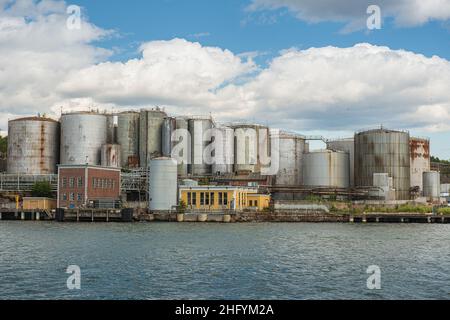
144,157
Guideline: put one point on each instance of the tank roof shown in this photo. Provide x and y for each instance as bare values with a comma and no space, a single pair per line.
33,119
381,130
94,113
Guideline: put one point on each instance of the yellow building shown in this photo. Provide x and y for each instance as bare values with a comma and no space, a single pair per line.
215,198
39,204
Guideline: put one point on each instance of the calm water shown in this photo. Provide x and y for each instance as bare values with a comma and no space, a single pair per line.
219,261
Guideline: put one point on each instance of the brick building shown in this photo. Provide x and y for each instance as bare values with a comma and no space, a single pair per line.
87,186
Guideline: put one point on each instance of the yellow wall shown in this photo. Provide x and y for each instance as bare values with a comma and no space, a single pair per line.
38,204
261,201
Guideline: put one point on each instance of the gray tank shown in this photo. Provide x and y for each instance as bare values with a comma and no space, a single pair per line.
150,136
383,151
33,146
169,126
82,137
250,147
326,168
182,126
110,155
292,148
224,153
110,129
128,138
198,128
346,145
432,185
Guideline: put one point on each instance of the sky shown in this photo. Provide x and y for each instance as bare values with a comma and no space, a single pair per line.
310,66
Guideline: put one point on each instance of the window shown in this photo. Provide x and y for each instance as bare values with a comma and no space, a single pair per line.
250,203
194,198
256,203
64,196
64,182
72,196
80,182
207,198
212,198
94,183
220,198
80,197
202,198
72,182
189,199
225,198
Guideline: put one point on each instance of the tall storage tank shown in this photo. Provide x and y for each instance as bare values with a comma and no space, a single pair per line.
420,160
200,139
224,153
346,145
326,168
163,184
33,146
82,137
383,151
169,126
432,184
110,155
183,137
110,129
292,148
252,145
128,138
150,136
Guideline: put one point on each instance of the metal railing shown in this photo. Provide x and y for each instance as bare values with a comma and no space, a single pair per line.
25,183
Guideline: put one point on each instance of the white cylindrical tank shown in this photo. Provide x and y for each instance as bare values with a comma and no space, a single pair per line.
110,155
163,184
82,137
326,168
432,184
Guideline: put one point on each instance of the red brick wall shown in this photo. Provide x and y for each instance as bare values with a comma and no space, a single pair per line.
112,192
71,173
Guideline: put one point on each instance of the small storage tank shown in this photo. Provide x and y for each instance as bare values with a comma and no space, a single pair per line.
345,145
199,127
163,184
150,136
128,138
33,146
252,147
420,160
326,168
292,148
110,155
432,185
82,137
383,151
224,150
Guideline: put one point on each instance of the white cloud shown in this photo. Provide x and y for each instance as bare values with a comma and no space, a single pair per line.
353,12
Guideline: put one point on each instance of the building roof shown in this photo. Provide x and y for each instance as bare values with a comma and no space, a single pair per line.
77,166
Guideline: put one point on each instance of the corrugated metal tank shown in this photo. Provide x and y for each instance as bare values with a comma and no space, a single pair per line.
252,144
199,128
420,160
182,126
169,126
346,145
150,136
110,129
163,184
432,184
224,152
82,137
326,168
383,151
110,155
292,148
128,138
33,146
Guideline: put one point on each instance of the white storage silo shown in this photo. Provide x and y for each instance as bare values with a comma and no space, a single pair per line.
163,184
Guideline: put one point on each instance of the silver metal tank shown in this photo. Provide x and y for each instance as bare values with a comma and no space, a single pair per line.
169,126
82,137
110,127
346,145
432,184
420,160
383,151
252,145
292,148
128,138
33,146
150,136
110,155
326,168
182,127
224,150
163,184
200,140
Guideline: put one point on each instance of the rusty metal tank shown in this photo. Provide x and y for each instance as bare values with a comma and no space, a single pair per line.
384,151
128,138
33,146
150,135
110,155
420,160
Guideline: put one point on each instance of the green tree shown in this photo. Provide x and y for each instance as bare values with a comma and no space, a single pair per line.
3,145
42,189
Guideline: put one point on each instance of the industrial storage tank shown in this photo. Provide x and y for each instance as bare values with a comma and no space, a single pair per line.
346,145
251,147
82,137
383,151
128,138
224,150
432,185
150,135
169,126
110,129
110,155
291,152
420,160
200,130
326,168
163,184
183,138
33,146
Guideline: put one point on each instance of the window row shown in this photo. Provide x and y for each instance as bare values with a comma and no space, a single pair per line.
72,197
100,183
207,199
72,181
